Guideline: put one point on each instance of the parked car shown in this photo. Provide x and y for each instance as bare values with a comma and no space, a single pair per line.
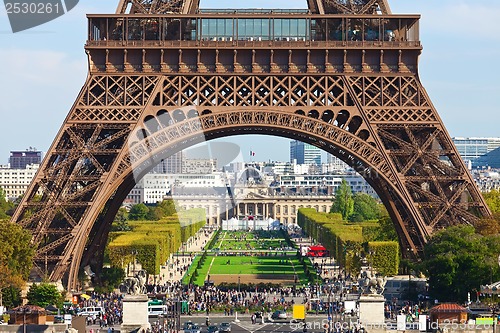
213,329
92,310
190,327
193,329
225,327
278,314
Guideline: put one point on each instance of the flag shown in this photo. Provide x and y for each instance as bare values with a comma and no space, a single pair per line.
252,153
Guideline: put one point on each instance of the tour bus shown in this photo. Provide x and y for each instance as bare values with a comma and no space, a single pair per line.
317,251
156,307
155,310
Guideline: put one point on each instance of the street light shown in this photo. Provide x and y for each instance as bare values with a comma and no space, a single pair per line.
330,309
161,319
25,311
238,285
134,253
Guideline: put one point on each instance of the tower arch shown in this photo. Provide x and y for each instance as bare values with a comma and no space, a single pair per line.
159,83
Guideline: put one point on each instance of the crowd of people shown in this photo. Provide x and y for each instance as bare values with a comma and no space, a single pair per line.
111,303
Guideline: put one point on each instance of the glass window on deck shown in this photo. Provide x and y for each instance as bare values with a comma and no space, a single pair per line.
135,29
290,30
216,29
253,29
335,29
371,29
171,29
115,28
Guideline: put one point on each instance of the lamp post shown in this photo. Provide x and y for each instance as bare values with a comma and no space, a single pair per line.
162,321
25,312
238,285
409,279
329,309
134,253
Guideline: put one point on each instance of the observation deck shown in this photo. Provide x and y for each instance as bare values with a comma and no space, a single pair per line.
254,41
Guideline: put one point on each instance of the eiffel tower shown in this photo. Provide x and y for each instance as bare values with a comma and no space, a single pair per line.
164,75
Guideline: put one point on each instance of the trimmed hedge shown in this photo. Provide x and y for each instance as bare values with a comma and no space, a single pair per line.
152,241
191,221
344,239
330,230
385,257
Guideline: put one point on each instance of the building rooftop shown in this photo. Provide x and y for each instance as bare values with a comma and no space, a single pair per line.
448,307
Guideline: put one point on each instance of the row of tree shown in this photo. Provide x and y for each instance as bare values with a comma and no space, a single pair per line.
142,212
6,207
457,260
355,207
16,257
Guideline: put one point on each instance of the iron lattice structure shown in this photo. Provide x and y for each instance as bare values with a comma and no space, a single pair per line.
165,75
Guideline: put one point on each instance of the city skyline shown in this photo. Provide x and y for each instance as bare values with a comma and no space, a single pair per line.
47,67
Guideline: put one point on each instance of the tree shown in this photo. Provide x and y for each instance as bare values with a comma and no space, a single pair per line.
167,207
120,221
11,297
343,202
16,255
365,208
5,206
457,261
154,214
45,294
138,212
488,225
8,279
492,199
111,278
387,230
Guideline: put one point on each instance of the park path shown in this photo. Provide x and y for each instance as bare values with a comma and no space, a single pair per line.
174,269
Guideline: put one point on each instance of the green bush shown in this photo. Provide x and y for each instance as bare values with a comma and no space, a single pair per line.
152,242
335,234
45,294
384,257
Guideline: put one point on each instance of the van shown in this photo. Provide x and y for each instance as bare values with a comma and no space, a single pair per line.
155,310
92,310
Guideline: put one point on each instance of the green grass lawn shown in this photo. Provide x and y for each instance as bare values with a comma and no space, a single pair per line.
261,242
265,244
255,240
251,265
191,270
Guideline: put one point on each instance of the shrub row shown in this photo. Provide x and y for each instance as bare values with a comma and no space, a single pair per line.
150,242
330,230
384,257
343,239
191,221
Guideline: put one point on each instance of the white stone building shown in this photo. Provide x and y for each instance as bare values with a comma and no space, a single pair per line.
15,182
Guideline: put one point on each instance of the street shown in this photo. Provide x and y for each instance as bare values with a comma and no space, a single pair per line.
314,324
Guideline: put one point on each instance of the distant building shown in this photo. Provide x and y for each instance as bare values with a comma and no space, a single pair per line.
280,168
199,166
154,187
333,164
20,159
323,184
489,160
15,182
487,179
304,153
470,149
172,164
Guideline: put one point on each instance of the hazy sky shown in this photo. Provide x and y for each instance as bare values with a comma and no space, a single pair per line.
43,69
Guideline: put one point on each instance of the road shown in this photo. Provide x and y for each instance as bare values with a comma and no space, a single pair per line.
315,325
